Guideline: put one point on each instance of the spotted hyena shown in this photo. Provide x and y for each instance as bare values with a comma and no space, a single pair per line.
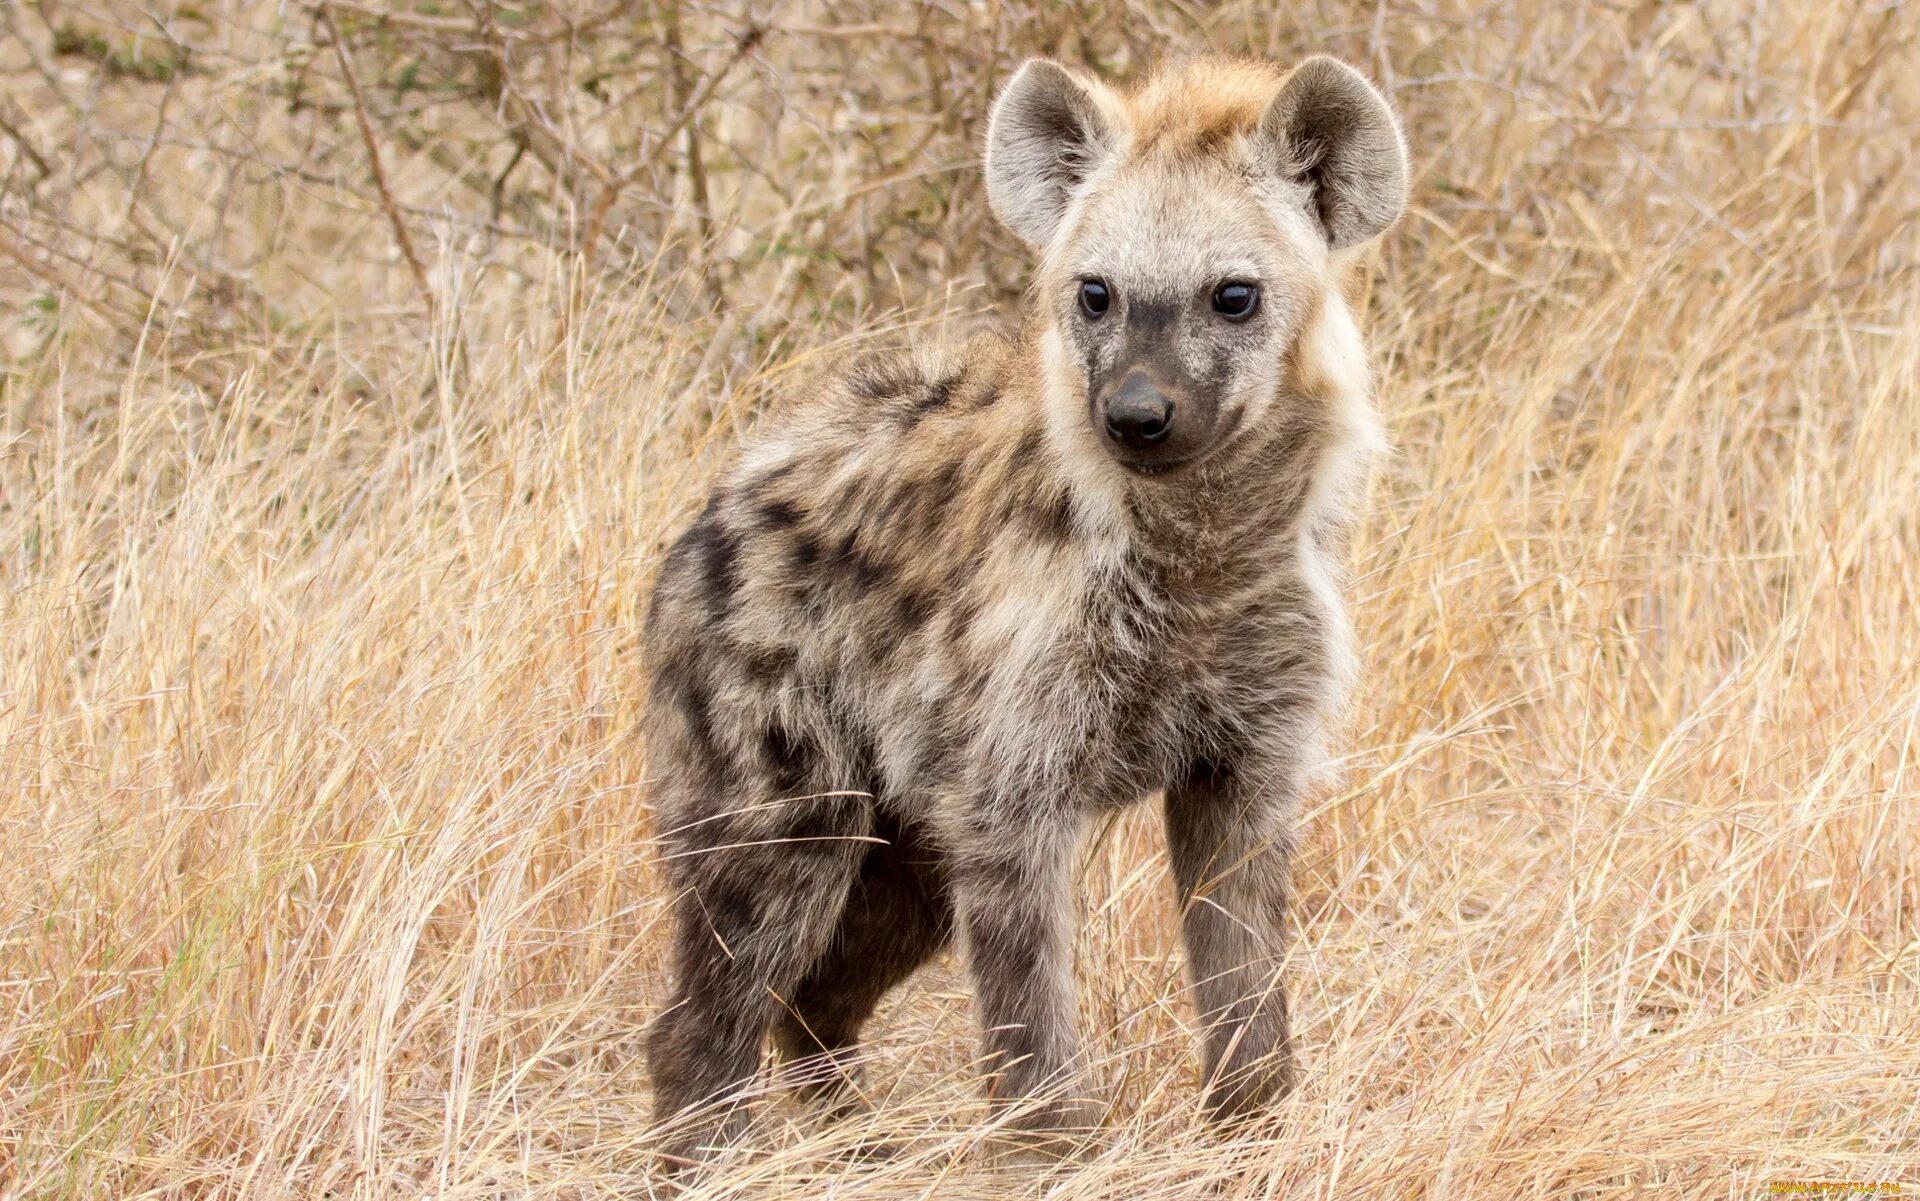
952,604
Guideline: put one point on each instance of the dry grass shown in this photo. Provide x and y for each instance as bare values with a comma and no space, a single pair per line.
326,870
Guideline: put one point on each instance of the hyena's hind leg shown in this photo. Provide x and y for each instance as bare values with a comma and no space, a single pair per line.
757,896
898,915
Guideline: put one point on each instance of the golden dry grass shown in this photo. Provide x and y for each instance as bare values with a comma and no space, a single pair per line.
324,861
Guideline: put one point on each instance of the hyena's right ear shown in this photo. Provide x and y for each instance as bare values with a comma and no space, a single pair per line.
1330,130
1048,132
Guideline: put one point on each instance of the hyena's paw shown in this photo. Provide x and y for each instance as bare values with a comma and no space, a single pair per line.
700,1142
1040,1134
868,1146
1249,1092
832,1086
834,1095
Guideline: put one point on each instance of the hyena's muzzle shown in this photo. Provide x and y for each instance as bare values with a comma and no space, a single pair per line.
1157,408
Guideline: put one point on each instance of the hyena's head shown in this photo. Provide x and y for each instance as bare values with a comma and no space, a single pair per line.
1190,237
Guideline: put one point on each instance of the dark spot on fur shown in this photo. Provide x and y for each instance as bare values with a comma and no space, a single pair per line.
1208,774
863,571
901,506
869,572
939,394
717,551
1026,453
826,820
788,758
879,377
970,682
884,627
913,608
914,507
1052,517
767,664
695,710
780,515
1212,137
806,552
946,486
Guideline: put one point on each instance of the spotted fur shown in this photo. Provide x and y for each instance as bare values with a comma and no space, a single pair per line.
931,621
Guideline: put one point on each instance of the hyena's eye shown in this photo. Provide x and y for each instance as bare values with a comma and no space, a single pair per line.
1094,298
1236,301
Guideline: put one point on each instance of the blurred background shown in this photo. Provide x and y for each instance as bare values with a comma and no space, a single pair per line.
357,359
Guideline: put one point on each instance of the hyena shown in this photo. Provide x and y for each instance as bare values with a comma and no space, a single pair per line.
955,603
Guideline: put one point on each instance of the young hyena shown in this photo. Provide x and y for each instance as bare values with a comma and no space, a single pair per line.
955,603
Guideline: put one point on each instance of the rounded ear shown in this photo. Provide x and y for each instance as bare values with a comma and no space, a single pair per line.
1331,131
1048,132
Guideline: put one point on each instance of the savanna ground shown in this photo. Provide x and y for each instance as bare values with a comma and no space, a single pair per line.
359,361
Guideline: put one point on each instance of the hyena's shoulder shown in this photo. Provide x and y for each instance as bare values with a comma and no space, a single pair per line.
891,402
884,431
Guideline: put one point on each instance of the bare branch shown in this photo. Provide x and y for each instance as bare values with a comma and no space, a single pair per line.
400,235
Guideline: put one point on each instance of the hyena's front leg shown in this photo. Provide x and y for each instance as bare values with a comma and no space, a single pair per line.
1228,838
1013,892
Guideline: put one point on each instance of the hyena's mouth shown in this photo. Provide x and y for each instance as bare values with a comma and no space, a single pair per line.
1156,466
1173,467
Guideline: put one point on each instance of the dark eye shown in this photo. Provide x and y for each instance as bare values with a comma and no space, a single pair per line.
1236,302
1094,298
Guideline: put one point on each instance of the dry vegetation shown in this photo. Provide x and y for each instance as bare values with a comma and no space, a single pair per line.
356,367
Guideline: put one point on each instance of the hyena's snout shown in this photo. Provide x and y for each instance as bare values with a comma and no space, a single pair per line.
1153,421
1139,416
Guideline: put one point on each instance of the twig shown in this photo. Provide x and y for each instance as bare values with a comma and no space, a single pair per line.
743,44
26,146
500,181
696,167
373,161
411,20
128,324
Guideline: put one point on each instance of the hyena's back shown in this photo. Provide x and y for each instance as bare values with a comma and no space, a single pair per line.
814,622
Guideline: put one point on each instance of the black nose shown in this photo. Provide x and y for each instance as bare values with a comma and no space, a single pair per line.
1138,415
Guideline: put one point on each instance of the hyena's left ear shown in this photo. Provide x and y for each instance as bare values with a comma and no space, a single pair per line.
1048,132
1330,130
